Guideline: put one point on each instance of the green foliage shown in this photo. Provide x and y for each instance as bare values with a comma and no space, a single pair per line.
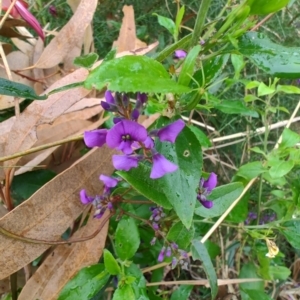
125,74
86,284
86,61
15,89
111,265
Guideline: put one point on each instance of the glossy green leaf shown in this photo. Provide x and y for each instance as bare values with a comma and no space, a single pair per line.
124,292
86,61
111,265
183,292
139,179
238,64
127,238
263,90
199,252
273,59
86,284
236,107
188,66
15,89
281,169
167,23
213,249
180,235
289,139
264,7
291,232
133,74
222,197
180,186
25,185
201,136
251,170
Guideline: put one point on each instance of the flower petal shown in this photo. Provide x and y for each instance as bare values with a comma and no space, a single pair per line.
161,166
207,204
211,182
84,198
95,138
142,97
125,162
135,131
109,181
170,132
109,97
149,143
30,19
126,147
180,53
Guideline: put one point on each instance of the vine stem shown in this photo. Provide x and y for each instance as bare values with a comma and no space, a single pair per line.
201,15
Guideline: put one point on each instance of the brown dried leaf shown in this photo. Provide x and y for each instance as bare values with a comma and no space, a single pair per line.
51,210
64,262
70,35
127,40
7,31
23,134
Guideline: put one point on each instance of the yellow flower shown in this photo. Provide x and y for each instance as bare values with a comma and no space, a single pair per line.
272,248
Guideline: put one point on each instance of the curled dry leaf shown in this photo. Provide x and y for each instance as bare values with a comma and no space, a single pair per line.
50,211
69,37
65,261
127,40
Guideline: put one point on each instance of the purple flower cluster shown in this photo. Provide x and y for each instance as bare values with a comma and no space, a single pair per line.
205,188
102,202
129,136
251,216
156,215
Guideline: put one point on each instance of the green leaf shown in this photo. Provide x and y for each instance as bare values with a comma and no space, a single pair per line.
183,292
251,170
139,179
86,284
180,186
222,197
236,107
67,87
274,59
139,284
291,232
213,249
15,89
180,235
201,136
111,265
264,7
249,271
281,169
124,292
25,185
289,139
127,239
240,211
288,89
188,66
264,90
238,64
254,295
178,20
133,74
167,23
279,272
199,252
86,61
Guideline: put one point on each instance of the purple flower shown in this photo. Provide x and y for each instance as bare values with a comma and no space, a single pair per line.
155,226
142,97
180,53
168,252
161,255
161,166
170,132
110,206
109,182
109,97
174,262
95,138
53,11
210,183
125,162
205,188
84,198
124,133
135,114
